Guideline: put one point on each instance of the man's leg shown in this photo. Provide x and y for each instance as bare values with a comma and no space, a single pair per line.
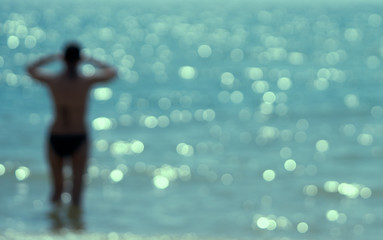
56,166
79,163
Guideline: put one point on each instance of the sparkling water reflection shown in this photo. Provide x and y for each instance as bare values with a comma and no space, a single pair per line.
266,118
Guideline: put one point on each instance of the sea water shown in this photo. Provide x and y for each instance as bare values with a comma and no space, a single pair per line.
239,119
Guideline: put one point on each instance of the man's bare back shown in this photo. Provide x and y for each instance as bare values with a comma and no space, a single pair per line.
68,133
70,104
69,93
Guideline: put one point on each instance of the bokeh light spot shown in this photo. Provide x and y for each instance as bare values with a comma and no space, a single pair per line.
322,146
22,173
290,165
302,227
2,169
269,175
160,182
13,42
116,175
204,51
187,72
102,123
103,94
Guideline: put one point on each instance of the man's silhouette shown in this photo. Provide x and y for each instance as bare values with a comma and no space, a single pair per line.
68,136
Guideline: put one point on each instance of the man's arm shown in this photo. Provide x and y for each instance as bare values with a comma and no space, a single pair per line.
33,69
105,72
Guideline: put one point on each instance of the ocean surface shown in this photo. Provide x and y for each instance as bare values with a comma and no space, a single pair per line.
228,119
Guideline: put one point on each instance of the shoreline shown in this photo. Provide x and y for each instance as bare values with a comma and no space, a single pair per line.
10,234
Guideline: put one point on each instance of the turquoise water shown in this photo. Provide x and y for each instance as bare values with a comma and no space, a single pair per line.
228,119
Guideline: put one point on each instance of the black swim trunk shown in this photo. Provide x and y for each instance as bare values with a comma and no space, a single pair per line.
66,145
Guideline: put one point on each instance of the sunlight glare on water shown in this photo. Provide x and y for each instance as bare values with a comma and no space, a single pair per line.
187,72
269,175
13,42
264,118
22,173
103,94
2,169
102,123
160,182
204,51
116,175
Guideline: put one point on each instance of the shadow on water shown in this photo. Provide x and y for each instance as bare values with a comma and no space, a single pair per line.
66,218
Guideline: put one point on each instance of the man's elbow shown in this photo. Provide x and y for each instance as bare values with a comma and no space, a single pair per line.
31,71
112,74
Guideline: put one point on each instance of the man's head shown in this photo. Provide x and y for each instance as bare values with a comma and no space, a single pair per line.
72,54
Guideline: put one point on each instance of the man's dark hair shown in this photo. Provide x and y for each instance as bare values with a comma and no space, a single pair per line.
72,53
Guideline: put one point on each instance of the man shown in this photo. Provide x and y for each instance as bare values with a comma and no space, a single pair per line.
68,136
